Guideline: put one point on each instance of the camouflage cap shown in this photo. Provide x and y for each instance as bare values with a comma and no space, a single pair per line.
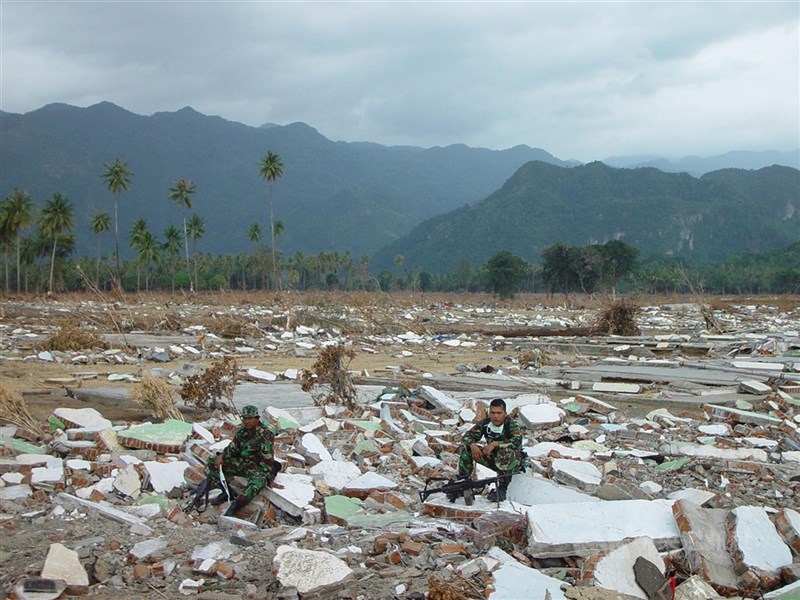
249,411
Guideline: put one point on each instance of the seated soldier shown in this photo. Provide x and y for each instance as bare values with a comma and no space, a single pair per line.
249,455
502,451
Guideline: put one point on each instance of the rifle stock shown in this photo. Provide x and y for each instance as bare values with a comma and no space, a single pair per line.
202,490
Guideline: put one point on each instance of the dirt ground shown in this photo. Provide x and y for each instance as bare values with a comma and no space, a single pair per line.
248,316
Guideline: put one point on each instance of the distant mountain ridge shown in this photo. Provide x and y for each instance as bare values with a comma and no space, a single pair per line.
432,205
333,195
700,165
704,219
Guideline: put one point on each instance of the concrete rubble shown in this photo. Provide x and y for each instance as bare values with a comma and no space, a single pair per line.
704,484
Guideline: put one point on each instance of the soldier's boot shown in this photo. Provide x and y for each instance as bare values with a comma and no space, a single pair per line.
499,493
239,503
220,499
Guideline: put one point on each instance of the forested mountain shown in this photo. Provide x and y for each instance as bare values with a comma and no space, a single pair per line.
332,196
702,219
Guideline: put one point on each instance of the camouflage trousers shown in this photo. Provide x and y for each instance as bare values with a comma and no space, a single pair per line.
257,479
502,460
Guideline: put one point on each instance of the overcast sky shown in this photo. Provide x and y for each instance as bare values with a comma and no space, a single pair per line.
584,80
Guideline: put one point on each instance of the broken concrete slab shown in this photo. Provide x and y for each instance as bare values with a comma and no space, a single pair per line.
585,528
756,546
364,484
296,493
615,570
583,475
336,474
704,538
63,563
83,418
312,449
513,580
541,416
166,476
167,437
310,571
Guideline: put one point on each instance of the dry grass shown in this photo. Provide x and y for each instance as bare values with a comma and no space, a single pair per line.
454,587
13,410
157,395
70,337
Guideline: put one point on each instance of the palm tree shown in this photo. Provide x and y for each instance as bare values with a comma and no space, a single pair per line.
181,192
5,239
101,222
57,217
196,228
117,177
271,170
148,247
138,230
254,235
18,215
172,246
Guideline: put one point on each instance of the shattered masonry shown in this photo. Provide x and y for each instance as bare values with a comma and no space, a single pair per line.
701,486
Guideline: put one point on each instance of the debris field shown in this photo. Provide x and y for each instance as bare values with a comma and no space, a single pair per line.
659,465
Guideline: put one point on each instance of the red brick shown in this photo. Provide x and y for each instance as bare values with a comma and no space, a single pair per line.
141,571
224,570
412,547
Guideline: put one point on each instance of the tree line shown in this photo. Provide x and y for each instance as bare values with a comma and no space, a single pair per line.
38,245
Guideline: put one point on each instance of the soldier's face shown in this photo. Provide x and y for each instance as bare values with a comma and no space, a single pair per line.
250,423
497,415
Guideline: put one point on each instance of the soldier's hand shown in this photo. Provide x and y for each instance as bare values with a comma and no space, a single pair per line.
489,448
218,462
477,454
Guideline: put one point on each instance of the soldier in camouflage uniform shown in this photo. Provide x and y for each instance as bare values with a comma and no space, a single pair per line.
501,453
249,455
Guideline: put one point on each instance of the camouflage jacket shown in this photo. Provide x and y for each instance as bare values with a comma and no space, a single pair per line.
510,437
253,450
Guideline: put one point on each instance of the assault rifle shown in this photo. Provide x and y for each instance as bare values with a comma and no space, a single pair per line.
202,492
460,487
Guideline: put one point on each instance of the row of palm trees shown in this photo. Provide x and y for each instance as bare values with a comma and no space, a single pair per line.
17,213
54,223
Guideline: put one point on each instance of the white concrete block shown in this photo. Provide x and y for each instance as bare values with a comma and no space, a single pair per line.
530,489
583,528
615,571
371,481
312,448
86,418
544,448
539,416
759,542
63,563
439,399
705,451
310,571
298,491
513,580
616,388
164,477
128,483
336,474
143,549
578,473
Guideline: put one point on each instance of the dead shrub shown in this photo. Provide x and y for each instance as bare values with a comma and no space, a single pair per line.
71,337
170,322
14,410
618,318
454,587
214,388
157,395
330,381
230,327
